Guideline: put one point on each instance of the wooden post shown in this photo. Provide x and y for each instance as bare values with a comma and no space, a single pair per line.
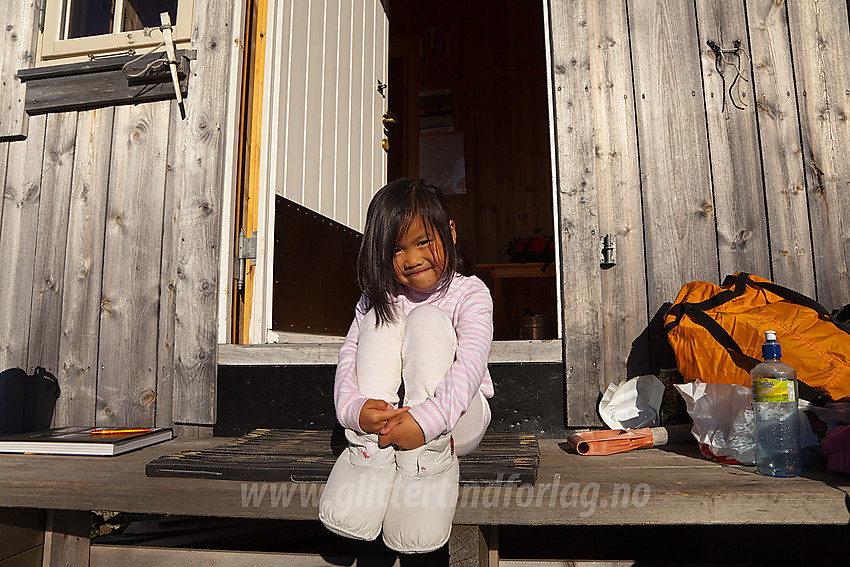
66,538
474,546
578,209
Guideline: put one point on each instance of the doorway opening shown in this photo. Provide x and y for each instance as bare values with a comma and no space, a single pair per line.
468,96
461,100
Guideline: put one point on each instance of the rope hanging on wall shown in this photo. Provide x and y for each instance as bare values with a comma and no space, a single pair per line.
730,58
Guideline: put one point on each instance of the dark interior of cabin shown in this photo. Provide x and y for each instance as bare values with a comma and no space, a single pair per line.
468,110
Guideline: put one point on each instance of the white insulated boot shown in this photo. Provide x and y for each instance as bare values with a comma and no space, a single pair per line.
358,489
424,496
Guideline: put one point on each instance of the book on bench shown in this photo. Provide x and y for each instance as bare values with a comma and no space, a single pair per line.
99,441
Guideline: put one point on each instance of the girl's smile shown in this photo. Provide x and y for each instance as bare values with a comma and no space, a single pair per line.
419,257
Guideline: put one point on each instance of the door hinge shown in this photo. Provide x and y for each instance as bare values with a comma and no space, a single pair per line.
607,251
41,10
246,250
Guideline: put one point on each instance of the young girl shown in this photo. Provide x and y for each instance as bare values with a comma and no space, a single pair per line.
423,328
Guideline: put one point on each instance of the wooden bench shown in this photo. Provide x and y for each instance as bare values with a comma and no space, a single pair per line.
670,486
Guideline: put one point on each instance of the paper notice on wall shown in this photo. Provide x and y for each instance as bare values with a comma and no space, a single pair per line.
442,163
435,111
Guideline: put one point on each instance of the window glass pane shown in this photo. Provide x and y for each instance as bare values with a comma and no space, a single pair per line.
139,14
90,17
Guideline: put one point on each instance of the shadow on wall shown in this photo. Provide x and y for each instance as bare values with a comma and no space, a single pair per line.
651,351
27,401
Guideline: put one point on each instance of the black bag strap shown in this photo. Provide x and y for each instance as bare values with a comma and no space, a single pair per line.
723,338
679,309
737,284
789,295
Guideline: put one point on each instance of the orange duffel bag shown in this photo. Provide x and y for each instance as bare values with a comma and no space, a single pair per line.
717,333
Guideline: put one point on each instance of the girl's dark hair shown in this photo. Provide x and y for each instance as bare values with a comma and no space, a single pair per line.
392,210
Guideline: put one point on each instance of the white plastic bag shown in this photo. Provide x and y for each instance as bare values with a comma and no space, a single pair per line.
724,425
723,420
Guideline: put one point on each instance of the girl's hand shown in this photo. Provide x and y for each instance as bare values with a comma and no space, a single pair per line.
375,413
402,431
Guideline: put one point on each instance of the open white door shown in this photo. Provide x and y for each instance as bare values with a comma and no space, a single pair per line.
322,131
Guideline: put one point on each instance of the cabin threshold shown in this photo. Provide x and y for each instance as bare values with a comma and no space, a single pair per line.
502,352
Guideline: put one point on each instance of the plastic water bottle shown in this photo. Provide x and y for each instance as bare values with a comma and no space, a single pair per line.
775,408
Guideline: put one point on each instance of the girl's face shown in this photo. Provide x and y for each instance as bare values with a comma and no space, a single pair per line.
419,261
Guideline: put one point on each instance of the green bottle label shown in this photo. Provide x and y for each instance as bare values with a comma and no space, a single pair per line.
773,390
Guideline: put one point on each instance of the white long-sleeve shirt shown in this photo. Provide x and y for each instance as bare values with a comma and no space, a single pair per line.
468,304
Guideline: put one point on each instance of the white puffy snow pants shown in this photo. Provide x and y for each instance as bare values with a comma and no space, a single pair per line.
418,349
410,495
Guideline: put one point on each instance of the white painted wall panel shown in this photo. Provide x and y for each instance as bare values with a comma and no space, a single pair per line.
325,133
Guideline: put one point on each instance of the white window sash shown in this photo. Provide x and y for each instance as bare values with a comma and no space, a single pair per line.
55,50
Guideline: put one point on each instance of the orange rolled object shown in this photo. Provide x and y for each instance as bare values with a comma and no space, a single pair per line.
610,441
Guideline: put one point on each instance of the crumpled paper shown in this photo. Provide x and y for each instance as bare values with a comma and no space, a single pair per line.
632,404
723,419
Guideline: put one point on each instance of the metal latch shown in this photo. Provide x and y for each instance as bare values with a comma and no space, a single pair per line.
608,252
246,250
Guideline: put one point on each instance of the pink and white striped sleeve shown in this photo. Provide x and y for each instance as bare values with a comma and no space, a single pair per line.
348,400
439,413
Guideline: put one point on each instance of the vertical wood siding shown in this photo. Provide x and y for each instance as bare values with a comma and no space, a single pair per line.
820,39
19,36
127,353
51,242
110,219
325,113
792,263
578,206
624,308
198,208
21,200
762,190
82,282
109,234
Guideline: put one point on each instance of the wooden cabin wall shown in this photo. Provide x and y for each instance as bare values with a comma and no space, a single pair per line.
491,56
109,238
692,189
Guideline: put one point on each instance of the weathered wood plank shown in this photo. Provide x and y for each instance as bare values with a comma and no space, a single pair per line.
197,198
49,273
21,196
578,208
66,538
742,238
312,352
4,155
820,39
673,147
624,308
127,353
19,42
779,135
664,487
78,344
168,274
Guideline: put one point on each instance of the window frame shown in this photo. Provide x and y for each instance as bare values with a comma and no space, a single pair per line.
53,50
